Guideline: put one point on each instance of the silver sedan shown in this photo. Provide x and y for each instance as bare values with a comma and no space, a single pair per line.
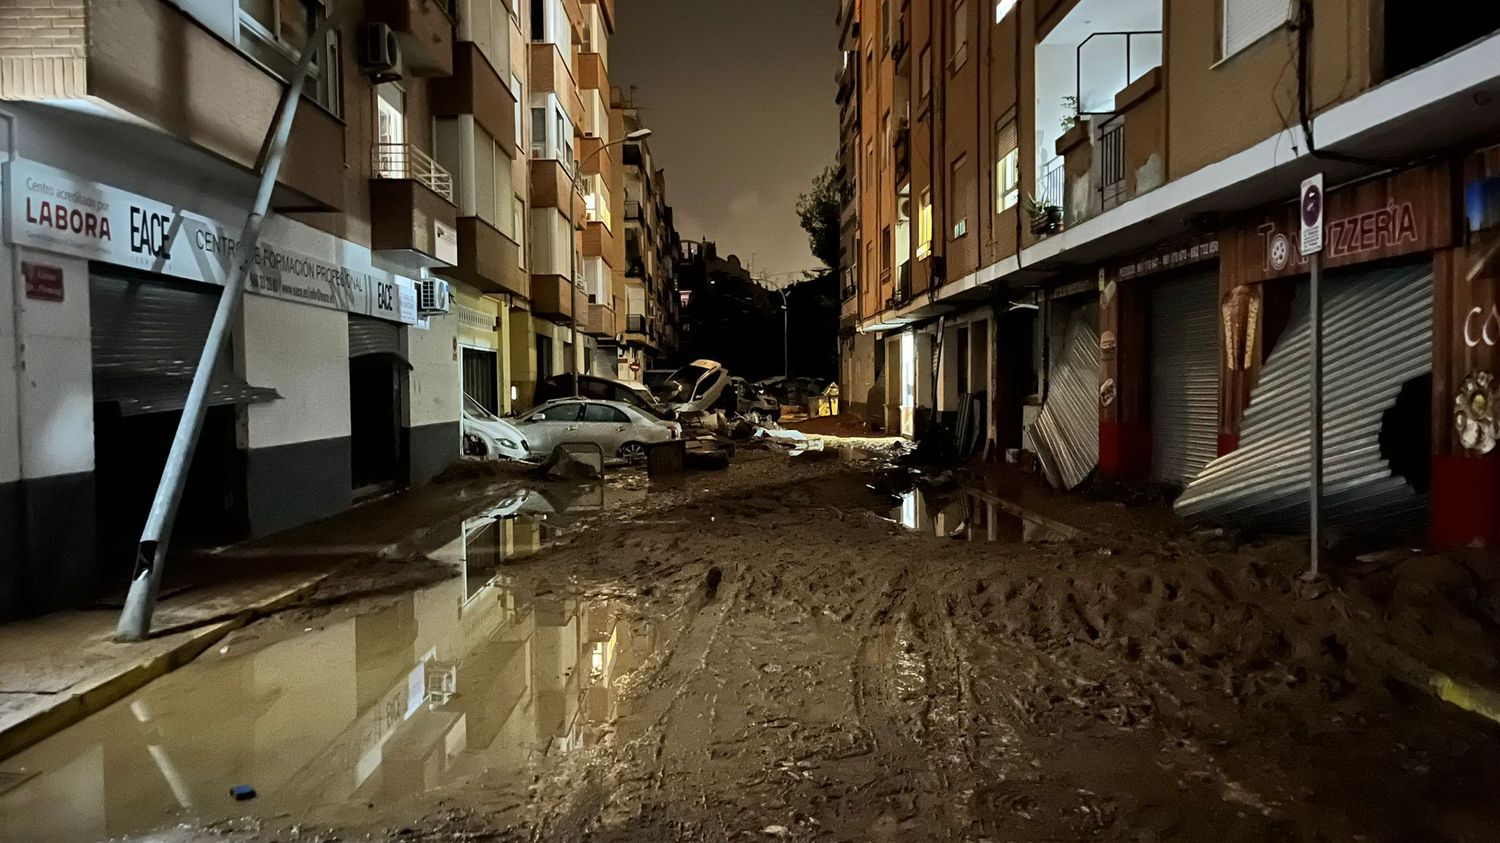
619,429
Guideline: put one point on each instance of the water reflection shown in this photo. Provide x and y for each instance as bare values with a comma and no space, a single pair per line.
973,515
476,674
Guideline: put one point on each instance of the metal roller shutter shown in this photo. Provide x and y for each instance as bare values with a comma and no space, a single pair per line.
1377,336
148,336
481,378
1065,436
368,337
1184,377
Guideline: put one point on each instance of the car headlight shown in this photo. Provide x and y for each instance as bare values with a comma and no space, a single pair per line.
508,444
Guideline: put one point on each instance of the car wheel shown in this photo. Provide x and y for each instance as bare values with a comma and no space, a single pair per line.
632,452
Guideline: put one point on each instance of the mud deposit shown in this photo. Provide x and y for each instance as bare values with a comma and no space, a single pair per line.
769,654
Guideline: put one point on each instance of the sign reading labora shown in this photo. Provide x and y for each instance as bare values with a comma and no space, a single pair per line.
58,212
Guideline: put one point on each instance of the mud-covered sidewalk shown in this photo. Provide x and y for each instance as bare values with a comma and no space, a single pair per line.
771,654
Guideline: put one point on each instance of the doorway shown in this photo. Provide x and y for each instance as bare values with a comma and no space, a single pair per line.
377,371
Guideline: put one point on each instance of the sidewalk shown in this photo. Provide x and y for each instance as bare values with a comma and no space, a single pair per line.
58,669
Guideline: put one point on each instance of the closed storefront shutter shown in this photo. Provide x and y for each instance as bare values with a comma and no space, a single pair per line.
369,337
1184,377
148,335
1065,436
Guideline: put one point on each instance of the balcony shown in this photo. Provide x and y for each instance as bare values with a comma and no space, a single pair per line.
598,321
593,75
488,260
550,75
476,88
552,297
411,206
553,187
114,63
424,29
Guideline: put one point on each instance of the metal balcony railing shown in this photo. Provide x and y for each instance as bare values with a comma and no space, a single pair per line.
1049,187
405,161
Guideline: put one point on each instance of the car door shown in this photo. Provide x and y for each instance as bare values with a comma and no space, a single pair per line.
551,425
606,426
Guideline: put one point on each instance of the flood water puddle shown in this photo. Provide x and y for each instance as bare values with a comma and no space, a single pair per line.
972,515
478,674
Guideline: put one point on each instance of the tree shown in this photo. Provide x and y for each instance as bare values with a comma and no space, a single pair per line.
818,211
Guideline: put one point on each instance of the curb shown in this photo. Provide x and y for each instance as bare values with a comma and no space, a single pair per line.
92,697
1471,698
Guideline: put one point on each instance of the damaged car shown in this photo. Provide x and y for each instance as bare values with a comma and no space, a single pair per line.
488,437
699,387
620,430
559,387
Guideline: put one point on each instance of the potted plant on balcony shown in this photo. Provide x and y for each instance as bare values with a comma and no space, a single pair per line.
1045,218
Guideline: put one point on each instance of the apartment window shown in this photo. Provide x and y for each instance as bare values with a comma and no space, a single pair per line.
960,33
518,220
1003,8
390,131
493,182
488,25
515,92
275,32
1007,165
1243,22
870,259
924,225
870,68
924,74
885,24
539,20
961,223
538,132
887,250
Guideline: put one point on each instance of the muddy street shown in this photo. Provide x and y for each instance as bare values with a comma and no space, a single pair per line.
807,648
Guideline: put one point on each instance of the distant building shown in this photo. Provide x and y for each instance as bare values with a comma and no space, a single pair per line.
726,315
649,336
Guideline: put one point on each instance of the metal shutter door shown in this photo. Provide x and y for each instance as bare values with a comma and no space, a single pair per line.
1377,335
1065,436
481,378
1184,377
147,338
373,336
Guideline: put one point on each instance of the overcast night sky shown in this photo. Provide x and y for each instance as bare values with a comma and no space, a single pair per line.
740,96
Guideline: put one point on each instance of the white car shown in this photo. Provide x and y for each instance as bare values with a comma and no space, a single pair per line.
619,429
488,437
698,387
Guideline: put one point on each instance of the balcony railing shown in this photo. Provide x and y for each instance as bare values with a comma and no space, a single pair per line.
636,323
1049,188
405,161
1137,52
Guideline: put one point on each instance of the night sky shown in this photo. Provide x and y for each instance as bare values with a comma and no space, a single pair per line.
740,96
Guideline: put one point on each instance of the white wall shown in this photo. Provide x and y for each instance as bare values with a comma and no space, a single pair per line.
303,353
435,382
10,412
54,392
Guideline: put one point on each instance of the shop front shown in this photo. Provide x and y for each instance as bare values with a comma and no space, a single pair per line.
1388,241
1063,430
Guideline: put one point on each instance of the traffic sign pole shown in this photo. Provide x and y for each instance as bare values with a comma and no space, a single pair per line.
1312,247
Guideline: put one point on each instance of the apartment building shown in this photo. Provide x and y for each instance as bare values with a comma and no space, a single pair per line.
858,350
1080,218
431,222
649,251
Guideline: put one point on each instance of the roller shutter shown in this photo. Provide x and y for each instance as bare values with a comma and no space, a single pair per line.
1065,436
1377,337
1184,377
148,335
369,337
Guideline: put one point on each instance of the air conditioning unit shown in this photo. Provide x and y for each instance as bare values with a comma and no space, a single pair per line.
434,297
380,55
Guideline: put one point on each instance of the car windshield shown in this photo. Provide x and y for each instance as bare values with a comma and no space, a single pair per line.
679,387
473,409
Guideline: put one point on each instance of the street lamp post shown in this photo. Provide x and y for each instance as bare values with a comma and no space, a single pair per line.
637,135
786,335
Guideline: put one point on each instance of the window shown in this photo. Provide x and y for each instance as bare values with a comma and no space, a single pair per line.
605,414
961,222
885,24
515,93
538,133
960,33
558,412
870,68
539,20
1003,8
887,249
1243,22
518,219
1007,165
275,32
390,131
924,225
488,26
924,74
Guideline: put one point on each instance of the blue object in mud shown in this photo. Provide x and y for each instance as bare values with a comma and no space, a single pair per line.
242,792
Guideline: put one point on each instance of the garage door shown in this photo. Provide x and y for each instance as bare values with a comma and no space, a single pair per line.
148,336
1184,377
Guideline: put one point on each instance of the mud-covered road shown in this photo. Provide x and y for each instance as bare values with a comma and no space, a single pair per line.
769,654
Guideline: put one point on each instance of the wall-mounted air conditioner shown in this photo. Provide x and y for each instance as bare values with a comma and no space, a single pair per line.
434,297
379,54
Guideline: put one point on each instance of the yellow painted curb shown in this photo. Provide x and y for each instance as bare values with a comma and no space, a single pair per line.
1471,698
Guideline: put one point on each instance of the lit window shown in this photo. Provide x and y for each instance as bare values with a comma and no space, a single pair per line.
924,79
1007,165
1003,8
961,224
924,226
960,33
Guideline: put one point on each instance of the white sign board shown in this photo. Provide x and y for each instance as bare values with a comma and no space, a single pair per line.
1311,215
59,212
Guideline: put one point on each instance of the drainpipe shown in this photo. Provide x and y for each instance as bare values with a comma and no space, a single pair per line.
151,554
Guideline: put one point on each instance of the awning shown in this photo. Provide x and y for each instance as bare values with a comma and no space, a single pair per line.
147,337
1376,337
